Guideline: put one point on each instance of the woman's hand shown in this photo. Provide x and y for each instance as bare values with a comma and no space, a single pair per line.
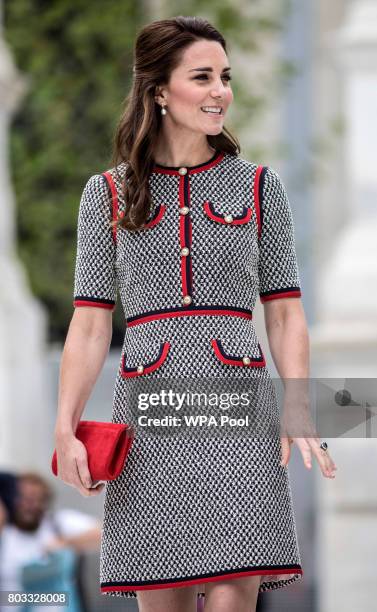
73,464
297,419
308,446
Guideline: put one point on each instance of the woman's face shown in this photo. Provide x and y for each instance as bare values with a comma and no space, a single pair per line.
199,84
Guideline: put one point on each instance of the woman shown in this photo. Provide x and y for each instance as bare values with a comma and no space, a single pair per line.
189,233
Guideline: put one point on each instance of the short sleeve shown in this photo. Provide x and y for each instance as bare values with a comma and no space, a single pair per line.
277,266
95,277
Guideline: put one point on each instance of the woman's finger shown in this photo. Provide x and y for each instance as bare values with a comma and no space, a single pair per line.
285,450
85,491
305,451
324,459
83,470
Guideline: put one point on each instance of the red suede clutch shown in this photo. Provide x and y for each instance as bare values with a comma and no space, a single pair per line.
107,446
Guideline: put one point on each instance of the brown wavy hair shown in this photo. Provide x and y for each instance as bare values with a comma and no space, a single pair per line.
158,50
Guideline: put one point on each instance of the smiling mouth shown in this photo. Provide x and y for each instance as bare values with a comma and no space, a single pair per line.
217,111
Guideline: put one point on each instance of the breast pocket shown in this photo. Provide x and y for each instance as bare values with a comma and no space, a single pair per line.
243,352
143,359
227,218
156,217
225,249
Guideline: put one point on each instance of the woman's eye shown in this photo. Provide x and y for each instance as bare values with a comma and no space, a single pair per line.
227,77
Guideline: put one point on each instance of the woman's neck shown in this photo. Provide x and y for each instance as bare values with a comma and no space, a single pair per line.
178,152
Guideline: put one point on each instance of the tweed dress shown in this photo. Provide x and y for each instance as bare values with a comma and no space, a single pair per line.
193,504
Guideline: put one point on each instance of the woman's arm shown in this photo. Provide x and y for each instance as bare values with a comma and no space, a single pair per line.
288,339
85,350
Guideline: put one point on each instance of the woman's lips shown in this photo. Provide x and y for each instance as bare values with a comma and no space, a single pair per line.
213,114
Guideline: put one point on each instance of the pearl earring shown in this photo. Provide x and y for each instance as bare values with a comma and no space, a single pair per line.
163,110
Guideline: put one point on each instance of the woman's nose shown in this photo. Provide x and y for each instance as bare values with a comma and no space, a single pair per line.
218,91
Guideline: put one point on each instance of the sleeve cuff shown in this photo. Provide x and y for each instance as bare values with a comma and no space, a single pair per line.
92,301
274,294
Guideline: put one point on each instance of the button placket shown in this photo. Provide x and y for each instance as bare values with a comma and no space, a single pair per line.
185,236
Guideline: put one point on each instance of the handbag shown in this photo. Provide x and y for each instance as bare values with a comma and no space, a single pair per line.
107,446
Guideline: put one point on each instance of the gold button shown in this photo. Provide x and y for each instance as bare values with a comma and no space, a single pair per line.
228,218
185,251
182,171
184,210
246,360
140,369
187,299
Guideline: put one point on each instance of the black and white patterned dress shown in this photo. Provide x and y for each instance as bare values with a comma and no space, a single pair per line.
193,504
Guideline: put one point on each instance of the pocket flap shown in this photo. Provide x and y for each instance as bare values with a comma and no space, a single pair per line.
156,216
227,219
141,361
238,351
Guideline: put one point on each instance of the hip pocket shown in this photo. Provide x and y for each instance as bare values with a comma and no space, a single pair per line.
239,352
140,361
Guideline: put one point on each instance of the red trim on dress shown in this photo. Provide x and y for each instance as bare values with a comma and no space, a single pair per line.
207,166
115,205
188,313
237,361
221,218
201,168
166,585
157,218
283,294
189,236
182,221
149,368
165,171
90,303
256,199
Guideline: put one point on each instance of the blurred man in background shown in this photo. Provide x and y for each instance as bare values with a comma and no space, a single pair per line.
30,529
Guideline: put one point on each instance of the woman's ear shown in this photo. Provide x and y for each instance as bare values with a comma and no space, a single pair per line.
159,96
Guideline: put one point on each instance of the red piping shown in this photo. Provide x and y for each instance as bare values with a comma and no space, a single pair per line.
187,313
158,217
172,172
182,221
236,361
256,199
283,294
89,303
268,572
151,367
207,166
220,219
114,195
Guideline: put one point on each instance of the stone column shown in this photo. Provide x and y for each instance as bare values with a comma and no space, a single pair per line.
344,340
24,423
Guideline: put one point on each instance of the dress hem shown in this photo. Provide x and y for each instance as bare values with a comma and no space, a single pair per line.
129,589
